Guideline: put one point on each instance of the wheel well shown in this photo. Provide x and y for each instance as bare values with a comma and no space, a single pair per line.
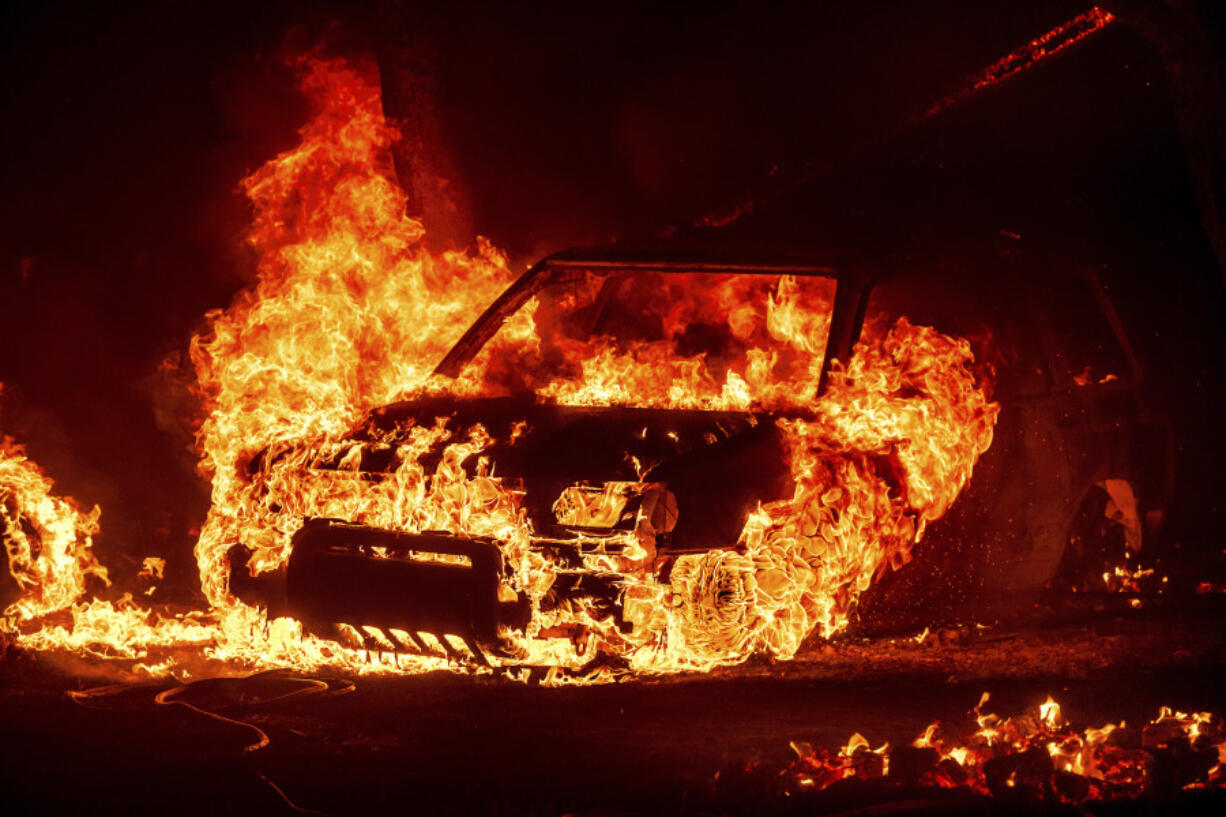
1105,526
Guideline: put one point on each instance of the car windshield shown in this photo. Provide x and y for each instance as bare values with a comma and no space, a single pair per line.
663,339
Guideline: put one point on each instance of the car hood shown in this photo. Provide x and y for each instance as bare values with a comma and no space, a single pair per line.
545,440
718,464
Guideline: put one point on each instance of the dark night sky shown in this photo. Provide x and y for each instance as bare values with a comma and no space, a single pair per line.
127,128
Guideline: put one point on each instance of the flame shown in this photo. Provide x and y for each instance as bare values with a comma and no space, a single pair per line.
351,312
49,544
48,539
1049,713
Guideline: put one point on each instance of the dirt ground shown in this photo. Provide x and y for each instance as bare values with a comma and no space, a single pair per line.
450,744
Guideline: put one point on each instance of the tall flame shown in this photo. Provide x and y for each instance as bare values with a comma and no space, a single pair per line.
48,539
350,311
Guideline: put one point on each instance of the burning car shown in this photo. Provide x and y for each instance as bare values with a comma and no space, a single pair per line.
674,457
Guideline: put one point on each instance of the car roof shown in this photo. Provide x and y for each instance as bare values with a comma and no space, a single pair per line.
678,257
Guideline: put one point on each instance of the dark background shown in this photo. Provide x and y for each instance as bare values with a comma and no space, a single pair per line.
126,130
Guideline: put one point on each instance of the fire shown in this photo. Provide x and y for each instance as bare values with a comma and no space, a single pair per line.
49,543
48,539
1120,579
351,312
303,357
1037,750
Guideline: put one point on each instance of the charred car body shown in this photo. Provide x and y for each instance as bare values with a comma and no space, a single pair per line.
619,499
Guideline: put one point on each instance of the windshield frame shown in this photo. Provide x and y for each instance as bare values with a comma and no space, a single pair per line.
569,266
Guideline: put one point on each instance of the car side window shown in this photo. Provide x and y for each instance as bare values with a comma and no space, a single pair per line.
1000,336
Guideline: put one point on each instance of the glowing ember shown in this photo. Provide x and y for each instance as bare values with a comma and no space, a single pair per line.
1122,580
1036,753
1063,36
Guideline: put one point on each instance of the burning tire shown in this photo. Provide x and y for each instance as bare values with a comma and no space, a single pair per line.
715,593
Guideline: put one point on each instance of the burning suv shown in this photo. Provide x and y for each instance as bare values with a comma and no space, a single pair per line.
679,457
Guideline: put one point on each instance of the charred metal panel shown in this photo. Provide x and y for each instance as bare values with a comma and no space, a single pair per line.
341,573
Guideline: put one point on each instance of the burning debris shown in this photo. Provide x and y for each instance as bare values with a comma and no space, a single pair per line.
1050,43
1035,757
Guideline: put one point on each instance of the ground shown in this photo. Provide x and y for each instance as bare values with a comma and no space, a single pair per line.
448,744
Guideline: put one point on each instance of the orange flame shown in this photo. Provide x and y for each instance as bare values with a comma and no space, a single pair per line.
48,539
350,311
